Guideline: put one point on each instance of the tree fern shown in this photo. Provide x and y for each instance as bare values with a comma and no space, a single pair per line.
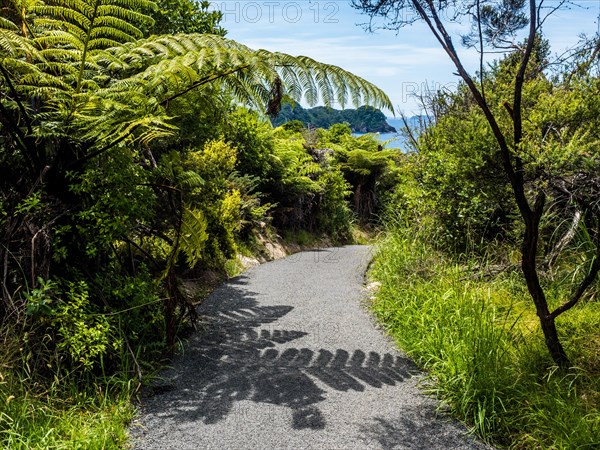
89,66
84,29
193,235
249,73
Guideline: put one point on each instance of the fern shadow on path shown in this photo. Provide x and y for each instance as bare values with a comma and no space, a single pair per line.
288,358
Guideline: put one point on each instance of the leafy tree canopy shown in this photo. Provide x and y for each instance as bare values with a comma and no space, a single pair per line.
186,16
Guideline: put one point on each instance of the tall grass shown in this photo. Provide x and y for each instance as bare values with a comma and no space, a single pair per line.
60,413
481,347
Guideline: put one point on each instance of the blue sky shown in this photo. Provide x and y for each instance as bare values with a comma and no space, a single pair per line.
402,63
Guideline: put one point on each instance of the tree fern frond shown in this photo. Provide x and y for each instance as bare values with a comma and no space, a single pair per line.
7,25
37,80
117,36
63,15
66,39
88,27
250,70
61,55
189,179
112,23
193,235
12,44
310,169
101,43
136,5
47,92
125,15
84,7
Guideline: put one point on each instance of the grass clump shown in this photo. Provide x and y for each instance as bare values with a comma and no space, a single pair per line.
61,412
78,421
479,341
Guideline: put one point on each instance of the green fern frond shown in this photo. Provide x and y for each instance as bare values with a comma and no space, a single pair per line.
248,73
193,235
13,44
87,28
310,169
7,25
189,179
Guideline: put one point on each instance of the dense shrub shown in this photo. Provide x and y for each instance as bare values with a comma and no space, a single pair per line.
455,175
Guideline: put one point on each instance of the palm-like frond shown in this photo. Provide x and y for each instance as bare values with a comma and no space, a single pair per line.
196,59
89,65
12,43
84,29
193,235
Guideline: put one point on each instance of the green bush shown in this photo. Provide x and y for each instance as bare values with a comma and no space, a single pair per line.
217,198
334,216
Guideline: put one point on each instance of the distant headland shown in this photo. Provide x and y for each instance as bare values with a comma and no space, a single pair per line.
362,120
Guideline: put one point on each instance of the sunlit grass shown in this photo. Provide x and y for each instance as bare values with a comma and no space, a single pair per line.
59,414
480,343
62,420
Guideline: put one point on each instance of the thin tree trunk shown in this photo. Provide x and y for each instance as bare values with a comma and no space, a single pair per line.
530,273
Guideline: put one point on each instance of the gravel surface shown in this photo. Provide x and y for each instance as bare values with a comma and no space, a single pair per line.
288,358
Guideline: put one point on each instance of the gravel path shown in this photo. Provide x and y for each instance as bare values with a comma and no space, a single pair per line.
289,359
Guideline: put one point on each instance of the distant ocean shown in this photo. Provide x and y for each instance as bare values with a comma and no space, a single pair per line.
397,140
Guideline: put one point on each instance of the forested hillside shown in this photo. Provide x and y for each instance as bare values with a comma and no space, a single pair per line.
363,119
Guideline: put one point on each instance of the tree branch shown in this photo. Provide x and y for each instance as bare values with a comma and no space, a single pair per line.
585,283
480,32
202,82
520,77
409,131
99,151
562,243
446,42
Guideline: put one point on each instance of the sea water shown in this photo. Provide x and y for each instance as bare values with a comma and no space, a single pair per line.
389,140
